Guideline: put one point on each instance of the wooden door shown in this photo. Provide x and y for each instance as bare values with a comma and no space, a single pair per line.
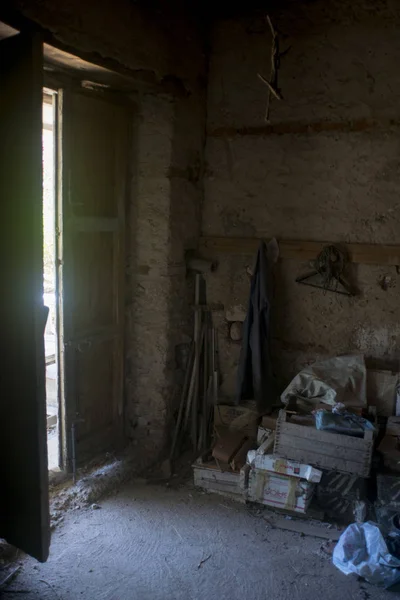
24,504
94,159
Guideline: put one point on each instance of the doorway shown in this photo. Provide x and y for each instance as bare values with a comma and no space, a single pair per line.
49,278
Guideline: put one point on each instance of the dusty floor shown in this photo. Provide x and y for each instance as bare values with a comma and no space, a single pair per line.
148,542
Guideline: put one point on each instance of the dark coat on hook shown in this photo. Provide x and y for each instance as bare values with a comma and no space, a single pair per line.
255,375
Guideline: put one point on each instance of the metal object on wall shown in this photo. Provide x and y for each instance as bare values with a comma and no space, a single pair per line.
327,275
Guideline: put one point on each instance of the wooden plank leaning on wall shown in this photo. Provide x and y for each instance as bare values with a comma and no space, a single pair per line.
372,254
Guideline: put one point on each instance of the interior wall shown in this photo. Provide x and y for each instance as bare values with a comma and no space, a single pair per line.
162,47
164,222
327,170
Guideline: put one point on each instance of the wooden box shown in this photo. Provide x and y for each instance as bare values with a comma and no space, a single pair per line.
323,449
210,478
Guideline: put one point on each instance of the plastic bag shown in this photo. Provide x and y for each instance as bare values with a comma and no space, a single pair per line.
340,379
361,549
346,424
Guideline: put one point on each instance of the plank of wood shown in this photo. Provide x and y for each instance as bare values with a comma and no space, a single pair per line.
301,128
323,449
321,461
318,436
372,254
300,526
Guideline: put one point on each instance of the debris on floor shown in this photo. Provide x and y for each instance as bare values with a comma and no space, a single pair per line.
11,575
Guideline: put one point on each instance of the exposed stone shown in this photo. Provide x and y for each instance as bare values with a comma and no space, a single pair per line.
340,185
236,331
163,222
236,313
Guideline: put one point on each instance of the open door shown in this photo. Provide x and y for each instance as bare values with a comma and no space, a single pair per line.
94,157
24,505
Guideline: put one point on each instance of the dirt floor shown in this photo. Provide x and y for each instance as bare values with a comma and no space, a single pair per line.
151,542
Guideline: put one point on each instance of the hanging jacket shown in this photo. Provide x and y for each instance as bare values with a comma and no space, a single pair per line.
255,376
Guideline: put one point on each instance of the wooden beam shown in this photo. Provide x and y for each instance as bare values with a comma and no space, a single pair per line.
370,254
304,128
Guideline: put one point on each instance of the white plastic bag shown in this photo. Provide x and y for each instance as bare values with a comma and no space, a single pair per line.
339,379
362,549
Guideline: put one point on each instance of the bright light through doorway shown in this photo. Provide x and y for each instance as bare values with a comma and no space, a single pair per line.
49,279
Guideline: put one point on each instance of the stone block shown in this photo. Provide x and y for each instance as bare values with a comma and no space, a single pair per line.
236,313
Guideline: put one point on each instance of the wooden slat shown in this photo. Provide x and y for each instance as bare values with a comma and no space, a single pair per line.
305,528
323,437
323,462
302,128
323,449
372,254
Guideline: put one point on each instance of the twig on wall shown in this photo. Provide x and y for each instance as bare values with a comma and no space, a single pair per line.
272,84
271,89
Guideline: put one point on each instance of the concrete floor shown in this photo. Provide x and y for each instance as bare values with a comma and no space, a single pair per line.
147,543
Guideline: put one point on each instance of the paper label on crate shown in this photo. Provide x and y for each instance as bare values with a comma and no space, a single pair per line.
274,464
281,491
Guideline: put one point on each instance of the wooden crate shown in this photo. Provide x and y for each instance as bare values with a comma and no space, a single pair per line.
209,477
323,449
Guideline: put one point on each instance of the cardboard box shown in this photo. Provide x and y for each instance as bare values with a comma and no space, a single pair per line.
388,490
269,422
341,509
381,391
342,496
393,426
349,486
275,464
243,418
228,445
279,491
389,448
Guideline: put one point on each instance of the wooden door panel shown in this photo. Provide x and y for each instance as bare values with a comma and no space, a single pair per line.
95,139
93,302
97,357
96,151
24,503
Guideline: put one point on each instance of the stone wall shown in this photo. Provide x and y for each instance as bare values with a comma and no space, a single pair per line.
164,222
327,170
